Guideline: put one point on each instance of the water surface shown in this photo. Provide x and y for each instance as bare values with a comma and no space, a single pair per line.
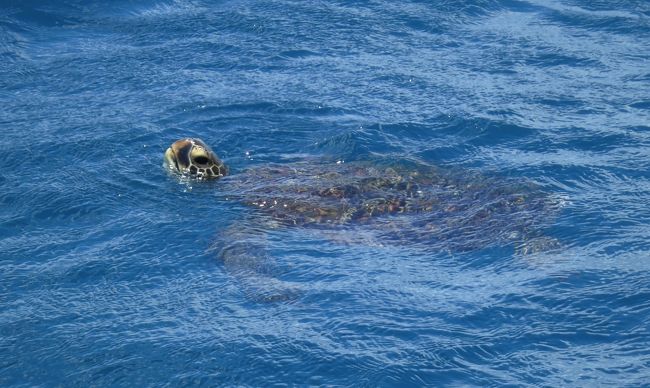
108,267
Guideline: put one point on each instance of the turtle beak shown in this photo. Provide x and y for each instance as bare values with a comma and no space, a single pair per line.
170,159
177,156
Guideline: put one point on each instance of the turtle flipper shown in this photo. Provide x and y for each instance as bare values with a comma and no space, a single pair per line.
242,250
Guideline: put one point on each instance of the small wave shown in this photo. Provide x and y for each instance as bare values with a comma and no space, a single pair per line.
170,8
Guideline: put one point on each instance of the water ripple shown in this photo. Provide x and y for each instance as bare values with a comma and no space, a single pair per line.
110,267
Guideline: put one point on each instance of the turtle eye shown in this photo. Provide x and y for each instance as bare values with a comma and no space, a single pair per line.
201,160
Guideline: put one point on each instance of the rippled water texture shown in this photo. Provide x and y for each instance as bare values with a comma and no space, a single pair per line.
109,267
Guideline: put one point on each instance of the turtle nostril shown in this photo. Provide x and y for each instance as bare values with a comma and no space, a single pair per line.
201,160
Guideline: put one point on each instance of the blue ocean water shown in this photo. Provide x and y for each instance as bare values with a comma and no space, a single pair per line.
108,270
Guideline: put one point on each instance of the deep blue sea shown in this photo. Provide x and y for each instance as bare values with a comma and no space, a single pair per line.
109,275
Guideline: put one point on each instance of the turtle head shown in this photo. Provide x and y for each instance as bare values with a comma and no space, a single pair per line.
193,158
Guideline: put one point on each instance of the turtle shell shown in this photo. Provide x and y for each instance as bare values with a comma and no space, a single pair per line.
402,201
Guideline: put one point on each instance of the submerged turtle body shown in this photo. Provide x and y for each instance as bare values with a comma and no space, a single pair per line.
374,202
465,211
403,203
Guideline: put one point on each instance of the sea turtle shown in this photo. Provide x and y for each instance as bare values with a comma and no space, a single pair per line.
400,201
